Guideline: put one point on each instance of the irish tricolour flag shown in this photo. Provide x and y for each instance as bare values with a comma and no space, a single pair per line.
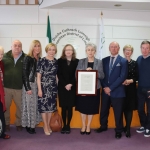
48,35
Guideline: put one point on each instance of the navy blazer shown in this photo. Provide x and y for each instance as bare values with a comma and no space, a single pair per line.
117,76
83,64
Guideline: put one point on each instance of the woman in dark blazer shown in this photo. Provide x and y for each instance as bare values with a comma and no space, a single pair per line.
89,105
130,82
67,84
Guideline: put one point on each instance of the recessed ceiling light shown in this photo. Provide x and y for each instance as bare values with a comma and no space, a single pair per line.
117,5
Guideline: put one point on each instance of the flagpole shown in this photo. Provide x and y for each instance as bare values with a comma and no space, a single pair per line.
101,46
101,14
48,12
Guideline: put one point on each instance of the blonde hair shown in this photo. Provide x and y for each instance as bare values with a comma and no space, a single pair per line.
33,43
63,56
49,46
128,46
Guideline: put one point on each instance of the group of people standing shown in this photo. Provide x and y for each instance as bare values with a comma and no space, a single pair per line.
32,82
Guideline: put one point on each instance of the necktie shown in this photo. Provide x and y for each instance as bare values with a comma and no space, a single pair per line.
111,64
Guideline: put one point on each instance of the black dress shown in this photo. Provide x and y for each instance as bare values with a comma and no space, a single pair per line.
88,104
66,75
131,98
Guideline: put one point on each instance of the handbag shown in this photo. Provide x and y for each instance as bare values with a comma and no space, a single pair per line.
56,122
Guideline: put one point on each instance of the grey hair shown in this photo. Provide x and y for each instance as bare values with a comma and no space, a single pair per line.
92,45
1,48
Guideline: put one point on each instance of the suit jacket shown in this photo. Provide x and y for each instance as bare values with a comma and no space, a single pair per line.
83,64
117,76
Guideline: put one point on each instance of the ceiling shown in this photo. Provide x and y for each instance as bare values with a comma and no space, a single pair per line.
140,5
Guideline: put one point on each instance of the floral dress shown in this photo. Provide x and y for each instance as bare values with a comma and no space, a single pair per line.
48,70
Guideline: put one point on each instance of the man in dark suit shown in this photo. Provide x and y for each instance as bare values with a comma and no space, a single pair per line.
115,69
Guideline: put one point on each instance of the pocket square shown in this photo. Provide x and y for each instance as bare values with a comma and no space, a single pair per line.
118,64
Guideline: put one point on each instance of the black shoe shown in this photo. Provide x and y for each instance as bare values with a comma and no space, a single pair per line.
118,135
63,130
124,129
82,132
27,129
67,129
128,134
99,130
88,133
32,130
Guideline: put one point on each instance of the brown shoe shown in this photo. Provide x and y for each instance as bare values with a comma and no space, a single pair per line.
7,128
19,128
6,136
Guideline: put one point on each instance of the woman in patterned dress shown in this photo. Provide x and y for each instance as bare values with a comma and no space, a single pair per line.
47,86
130,83
30,114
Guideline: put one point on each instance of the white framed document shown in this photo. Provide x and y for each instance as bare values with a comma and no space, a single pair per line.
86,82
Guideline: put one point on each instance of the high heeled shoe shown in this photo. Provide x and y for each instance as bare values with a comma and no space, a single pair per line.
83,132
88,132
50,130
46,132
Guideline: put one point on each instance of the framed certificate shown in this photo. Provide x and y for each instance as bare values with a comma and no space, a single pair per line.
86,82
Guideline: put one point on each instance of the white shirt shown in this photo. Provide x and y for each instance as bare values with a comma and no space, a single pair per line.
114,58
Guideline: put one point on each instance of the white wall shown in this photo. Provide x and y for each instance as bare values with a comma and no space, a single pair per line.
27,23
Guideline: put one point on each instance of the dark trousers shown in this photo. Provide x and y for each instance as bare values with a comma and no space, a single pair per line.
144,116
2,121
128,118
117,104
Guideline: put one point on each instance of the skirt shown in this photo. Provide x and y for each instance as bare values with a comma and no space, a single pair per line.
30,114
88,104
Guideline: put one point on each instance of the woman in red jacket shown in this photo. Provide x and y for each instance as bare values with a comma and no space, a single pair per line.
2,100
